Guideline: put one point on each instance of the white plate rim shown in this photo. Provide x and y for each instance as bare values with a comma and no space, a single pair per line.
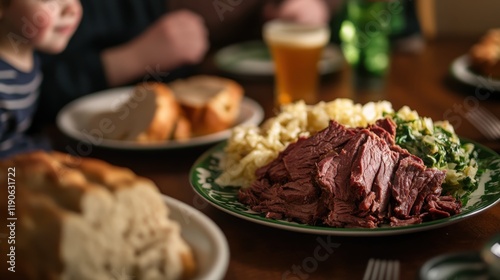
250,113
332,63
214,235
460,69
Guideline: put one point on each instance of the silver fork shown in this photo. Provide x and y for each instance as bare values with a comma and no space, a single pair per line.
487,123
382,269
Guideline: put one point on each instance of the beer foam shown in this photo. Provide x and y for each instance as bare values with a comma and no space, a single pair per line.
294,34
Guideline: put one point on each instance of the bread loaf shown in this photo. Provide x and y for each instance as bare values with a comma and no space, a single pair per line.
210,103
485,54
86,219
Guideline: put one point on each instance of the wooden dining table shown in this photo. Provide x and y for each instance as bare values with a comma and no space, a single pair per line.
421,81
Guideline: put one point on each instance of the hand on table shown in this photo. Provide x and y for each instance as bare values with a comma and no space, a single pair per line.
175,39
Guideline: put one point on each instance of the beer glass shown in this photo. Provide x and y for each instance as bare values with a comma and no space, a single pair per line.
296,50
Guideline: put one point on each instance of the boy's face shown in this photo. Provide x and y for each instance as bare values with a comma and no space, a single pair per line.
47,25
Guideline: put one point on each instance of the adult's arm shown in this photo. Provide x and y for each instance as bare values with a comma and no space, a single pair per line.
176,39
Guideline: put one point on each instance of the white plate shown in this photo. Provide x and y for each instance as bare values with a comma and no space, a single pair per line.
253,58
73,121
205,238
460,69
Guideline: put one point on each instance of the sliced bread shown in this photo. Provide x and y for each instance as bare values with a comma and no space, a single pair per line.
210,103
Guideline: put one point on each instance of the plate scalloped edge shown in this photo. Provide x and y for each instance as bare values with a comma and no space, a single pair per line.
205,170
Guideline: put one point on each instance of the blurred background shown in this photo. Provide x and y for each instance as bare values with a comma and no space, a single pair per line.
457,17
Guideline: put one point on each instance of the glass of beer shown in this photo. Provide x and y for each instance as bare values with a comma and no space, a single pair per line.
296,50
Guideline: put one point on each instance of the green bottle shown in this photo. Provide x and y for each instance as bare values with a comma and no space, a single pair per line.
364,35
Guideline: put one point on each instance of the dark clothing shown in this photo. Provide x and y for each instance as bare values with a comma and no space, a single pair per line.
106,23
18,100
78,70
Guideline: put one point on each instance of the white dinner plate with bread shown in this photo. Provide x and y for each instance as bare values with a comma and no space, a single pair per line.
480,66
195,111
84,218
462,71
210,247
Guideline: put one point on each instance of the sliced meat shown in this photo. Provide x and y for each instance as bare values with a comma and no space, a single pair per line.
349,177
413,180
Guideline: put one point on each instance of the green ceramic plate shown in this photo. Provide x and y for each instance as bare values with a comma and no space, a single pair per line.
461,265
253,58
206,169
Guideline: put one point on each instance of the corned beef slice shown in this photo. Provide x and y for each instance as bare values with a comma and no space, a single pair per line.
385,129
304,156
345,177
294,200
382,183
297,198
344,216
365,165
285,186
441,206
413,180
301,156
358,165
344,162
291,174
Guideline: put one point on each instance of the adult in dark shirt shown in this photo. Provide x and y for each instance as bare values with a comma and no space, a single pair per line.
117,43
121,42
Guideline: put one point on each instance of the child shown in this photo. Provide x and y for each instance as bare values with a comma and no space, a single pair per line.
27,26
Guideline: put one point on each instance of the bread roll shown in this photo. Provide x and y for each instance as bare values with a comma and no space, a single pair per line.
86,219
210,103
485,54
150,114
156,112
